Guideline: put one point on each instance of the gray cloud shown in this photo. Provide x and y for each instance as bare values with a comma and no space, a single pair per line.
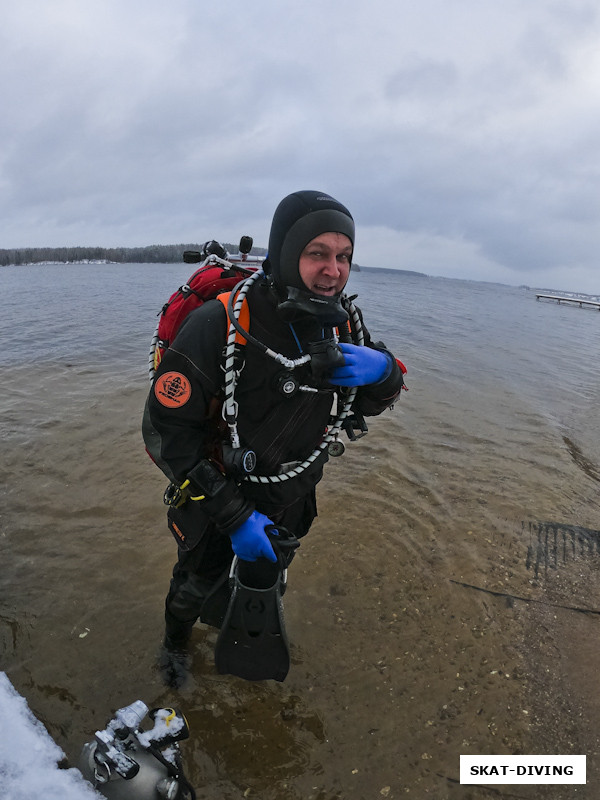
468,130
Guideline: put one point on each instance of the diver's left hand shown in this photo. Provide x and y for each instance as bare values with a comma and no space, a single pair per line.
250,541
362,366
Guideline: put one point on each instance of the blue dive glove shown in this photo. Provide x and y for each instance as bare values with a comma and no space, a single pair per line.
250,541
362,365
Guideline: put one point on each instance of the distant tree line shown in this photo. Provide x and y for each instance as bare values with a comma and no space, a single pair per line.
153,254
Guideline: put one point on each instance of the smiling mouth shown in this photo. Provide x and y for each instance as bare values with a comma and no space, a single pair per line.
324,289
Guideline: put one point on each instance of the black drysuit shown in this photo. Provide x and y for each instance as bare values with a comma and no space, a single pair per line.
180,431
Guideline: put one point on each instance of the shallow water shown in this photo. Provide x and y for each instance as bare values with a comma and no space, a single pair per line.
446,601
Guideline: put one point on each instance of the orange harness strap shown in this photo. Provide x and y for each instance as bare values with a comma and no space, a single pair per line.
244,318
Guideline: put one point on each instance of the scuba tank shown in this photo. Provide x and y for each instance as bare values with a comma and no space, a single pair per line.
125,762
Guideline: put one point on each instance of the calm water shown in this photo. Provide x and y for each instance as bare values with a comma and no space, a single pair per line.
490,340
494,451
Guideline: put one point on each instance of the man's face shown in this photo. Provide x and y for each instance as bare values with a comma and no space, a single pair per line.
325,263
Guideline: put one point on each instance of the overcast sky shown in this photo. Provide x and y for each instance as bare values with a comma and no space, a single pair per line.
463,135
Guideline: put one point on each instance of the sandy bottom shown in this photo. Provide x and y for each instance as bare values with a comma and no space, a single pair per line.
434,610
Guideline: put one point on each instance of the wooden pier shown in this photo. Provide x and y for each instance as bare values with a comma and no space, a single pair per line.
577,300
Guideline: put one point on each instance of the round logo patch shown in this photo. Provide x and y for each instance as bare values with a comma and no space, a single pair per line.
172,390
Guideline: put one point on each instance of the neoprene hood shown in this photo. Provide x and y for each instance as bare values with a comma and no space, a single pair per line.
298,219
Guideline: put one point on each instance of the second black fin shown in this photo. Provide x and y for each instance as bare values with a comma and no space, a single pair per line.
253,643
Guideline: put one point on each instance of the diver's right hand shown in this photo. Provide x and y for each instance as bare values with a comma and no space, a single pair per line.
250,541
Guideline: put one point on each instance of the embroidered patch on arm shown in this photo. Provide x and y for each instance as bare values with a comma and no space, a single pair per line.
172,390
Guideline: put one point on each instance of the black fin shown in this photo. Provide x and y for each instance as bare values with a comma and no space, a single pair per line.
253,643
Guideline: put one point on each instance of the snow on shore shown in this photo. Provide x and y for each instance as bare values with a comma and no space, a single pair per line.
29,756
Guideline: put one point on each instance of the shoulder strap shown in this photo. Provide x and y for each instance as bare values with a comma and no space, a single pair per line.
244,318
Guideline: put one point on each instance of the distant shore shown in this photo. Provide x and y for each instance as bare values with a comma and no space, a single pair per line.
151,254
155,254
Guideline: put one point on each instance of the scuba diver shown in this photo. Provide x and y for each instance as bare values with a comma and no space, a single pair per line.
243,439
